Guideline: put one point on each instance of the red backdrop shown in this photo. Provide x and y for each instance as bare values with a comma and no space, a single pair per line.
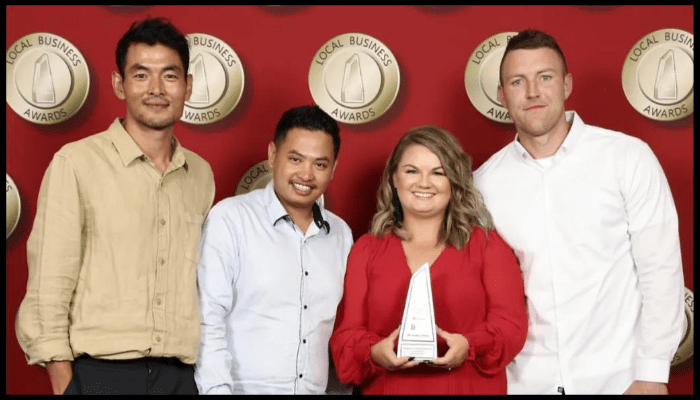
276,46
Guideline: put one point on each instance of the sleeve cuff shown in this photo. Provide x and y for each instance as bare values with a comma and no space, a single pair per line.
652,370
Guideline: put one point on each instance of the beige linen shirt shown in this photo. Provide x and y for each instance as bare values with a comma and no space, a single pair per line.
113,253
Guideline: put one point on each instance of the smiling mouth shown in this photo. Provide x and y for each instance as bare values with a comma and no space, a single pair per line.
302,188
424,195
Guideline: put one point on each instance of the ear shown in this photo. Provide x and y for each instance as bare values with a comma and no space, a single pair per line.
335,165
118,85
501,97
188,82
271,152
568,85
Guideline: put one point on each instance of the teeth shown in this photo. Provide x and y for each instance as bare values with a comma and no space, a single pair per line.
302,187
426,195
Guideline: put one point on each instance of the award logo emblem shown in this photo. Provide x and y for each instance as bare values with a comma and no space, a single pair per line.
418,337
354,78
217,80
482,74
685,348
12,206
658,75
47,78
256,177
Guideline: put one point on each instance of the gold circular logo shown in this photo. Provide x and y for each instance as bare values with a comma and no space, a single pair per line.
685,348
47,78
482,75
256,177
658,75
13,206
217,80
354,78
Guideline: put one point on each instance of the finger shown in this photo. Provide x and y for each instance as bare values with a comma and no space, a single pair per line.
409,364
393,335
443,334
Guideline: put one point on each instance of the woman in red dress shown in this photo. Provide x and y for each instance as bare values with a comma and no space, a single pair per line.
429,211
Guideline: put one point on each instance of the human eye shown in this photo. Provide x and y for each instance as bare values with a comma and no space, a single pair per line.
546,78
516,82
321,165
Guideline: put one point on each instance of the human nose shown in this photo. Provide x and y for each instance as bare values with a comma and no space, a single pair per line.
533,90
306,172
155,87
425,180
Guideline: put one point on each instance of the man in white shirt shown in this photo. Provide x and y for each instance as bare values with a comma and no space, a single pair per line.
589,213
271,270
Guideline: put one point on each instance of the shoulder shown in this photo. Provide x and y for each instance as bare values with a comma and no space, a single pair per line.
493,164
250,202
483,238
87,147
370,244
197,164
602,138
338,224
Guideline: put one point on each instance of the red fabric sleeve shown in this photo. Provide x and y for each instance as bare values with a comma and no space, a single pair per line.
351,341
495,343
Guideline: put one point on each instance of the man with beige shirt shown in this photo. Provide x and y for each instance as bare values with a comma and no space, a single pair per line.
111,304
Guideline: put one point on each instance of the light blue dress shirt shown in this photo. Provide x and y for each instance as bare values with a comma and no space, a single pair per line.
268,297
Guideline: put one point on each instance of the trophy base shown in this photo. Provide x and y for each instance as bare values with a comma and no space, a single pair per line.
420,351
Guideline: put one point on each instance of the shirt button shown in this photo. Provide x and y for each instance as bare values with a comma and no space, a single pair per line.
158,339
306,272
162,221
301,375
158,301
304,341
162,261
304,307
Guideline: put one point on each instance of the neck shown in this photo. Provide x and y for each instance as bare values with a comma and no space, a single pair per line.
155,143
424,231
545,145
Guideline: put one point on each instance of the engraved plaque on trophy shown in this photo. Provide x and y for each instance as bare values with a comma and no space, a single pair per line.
666,87
417,337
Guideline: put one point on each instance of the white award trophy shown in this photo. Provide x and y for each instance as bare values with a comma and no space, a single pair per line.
417,337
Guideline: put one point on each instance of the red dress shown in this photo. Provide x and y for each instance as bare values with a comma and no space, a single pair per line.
477,292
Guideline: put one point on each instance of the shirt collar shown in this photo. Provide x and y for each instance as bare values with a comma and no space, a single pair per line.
569,142
276,211
129,151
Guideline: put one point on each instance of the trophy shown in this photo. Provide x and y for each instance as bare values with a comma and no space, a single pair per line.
417,337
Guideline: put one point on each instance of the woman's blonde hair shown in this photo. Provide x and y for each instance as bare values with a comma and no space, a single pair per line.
466,207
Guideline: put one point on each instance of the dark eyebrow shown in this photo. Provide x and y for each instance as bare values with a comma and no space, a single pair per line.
141,67
296,153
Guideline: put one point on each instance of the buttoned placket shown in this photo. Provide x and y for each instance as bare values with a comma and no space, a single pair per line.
303,352
546,175
163,228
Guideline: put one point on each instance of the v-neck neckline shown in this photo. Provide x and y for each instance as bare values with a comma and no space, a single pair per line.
405,257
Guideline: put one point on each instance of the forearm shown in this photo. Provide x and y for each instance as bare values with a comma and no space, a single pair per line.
60,374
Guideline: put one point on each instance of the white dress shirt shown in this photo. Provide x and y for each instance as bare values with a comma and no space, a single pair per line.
268,295
596,233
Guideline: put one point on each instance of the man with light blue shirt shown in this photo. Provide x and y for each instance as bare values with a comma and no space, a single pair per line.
589,213
271,270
